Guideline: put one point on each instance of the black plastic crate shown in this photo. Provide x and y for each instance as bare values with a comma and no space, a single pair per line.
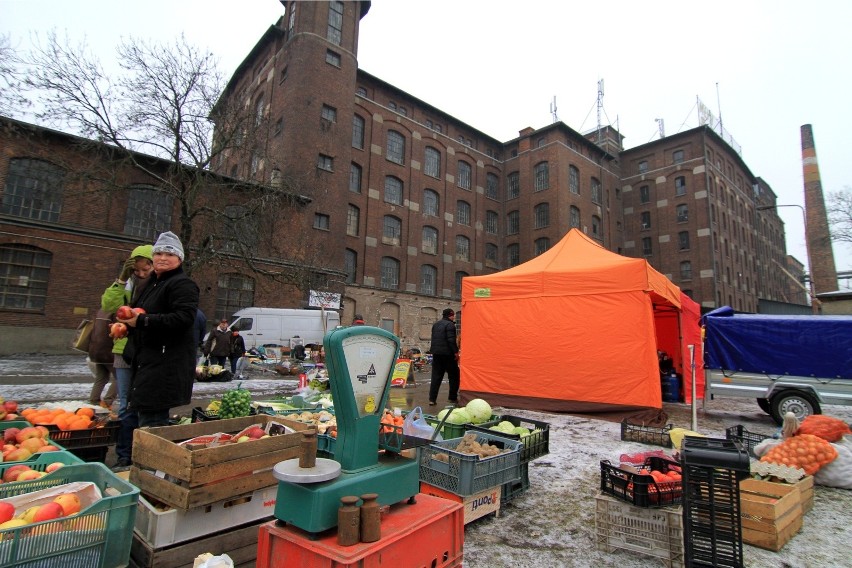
91,454
535,445
514,489
715,452
104,434
748,439
646,434
640,489
711,502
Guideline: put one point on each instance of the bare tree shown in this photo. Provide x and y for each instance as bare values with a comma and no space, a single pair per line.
165,103
12,99
840,215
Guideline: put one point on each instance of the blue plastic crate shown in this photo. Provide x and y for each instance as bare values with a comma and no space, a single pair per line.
468,474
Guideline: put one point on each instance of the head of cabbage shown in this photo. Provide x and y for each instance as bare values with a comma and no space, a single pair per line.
457,416
479,410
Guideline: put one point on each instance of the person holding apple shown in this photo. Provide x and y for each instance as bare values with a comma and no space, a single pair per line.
161,345
135,274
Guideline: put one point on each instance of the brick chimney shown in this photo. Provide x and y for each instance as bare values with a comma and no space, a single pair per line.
821,261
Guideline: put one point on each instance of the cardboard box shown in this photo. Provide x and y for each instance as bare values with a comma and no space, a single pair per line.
771,513
185,478
475,506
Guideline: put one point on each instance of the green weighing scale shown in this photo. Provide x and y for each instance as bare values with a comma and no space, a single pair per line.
360,361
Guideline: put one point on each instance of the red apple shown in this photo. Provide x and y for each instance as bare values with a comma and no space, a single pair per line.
53,467
45,433
17,455
124,313
13,472
11,416
139,311
48,512
255,433
7,511
118,330
9,434
10,406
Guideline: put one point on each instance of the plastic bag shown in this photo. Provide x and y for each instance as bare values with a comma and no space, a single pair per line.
208,560
415,425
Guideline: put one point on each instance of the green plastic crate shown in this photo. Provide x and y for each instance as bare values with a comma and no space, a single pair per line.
104,529
6,424
467,474
41,461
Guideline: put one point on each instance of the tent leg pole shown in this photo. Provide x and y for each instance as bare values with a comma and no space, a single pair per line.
694,407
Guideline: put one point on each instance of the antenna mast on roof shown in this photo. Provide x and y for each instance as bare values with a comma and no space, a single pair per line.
661,126
600,109
553,110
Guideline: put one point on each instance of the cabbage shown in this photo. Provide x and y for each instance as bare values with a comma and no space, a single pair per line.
521,431
457,416
479,410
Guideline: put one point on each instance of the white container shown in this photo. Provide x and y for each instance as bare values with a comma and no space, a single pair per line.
163,528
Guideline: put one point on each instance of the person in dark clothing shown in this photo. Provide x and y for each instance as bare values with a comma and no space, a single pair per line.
218,345
298,352
445,357
162,341
238,349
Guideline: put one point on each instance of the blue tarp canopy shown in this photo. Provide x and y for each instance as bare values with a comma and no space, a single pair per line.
805,346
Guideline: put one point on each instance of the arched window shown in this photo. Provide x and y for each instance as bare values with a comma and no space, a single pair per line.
393,190
463,212
428,279
596,191
353,220
491,255
390,273
234,292
492,187
513,254
358,132
597,228
33,190
462,248
514,185
541,245
432,162
396,147
391,230
491,222
431,201
458,284
574,180
464,178
574,217
429,243
350,264
355,178
513,223
541,215
542,176
149,212
24,273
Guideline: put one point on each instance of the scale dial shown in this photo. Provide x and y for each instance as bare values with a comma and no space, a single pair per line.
369,359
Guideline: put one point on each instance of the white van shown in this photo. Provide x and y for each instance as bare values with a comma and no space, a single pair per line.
277,326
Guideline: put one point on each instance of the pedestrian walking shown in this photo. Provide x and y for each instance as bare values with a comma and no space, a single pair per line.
218,344
445,357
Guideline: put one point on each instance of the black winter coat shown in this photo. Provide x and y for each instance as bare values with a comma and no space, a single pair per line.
444,338
164,343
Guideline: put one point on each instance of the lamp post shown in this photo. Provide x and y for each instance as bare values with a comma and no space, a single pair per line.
811,289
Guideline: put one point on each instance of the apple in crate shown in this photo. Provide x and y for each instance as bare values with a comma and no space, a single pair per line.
70,503
49,512
53,467
33,444
29,475
47,448
256,433
13,472
7,511
30,514
18,454
27,433
10,406
10,435
12,524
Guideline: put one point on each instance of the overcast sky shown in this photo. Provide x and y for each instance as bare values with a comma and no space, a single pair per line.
498,64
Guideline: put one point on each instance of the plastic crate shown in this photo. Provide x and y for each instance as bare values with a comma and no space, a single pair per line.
41,461
326,445
748,439
88,438
92,454
105,528
6,424
646,434
514,489
641,490
534,446
467,474
712,469
652,532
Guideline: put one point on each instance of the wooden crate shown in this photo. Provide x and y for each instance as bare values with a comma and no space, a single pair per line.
186,478
475,506
771,513
806,490
240,543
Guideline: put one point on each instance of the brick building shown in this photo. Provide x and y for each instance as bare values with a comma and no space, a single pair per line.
402,200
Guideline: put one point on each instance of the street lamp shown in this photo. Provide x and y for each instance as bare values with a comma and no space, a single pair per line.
811,290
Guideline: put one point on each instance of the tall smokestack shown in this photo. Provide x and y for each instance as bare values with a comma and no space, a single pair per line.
821,261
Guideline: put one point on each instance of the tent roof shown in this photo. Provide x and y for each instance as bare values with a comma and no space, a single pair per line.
576,265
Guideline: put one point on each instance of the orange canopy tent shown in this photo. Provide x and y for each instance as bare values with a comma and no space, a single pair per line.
572,330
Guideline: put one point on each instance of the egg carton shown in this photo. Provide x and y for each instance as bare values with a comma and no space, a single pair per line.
784,472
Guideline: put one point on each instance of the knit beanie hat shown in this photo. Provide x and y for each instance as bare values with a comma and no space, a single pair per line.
169,242
143,251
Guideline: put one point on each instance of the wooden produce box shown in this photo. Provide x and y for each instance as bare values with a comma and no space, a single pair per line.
185,478
475,506
240,543
771,513
806,490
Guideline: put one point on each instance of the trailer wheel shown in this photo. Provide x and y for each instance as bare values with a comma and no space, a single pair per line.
799,403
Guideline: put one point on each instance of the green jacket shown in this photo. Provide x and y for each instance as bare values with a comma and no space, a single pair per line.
114,297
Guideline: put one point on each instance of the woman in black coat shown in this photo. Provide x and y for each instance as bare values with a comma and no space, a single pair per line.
162,340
